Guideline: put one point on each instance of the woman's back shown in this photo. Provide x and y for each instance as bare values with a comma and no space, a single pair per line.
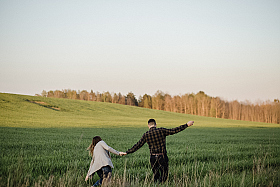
101,156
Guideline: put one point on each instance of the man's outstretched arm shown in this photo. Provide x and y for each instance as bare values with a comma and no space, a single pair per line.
178,129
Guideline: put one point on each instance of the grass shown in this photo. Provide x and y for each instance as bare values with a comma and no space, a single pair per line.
42,146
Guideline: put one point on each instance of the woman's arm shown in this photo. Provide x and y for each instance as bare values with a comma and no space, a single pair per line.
108,148
91,163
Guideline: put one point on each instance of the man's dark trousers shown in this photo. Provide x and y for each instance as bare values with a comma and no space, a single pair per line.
159,164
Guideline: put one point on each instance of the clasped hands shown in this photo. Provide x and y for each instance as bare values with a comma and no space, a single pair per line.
122,153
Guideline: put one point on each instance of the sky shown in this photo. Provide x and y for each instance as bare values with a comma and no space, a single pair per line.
228,49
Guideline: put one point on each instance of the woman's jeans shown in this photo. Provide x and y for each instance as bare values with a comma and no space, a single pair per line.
104,173
159,164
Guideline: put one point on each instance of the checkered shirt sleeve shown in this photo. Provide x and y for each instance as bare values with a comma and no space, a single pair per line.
175,130
138,145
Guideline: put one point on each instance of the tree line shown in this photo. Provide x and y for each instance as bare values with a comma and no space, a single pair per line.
196,104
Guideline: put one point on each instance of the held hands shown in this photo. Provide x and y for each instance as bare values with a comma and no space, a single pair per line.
122,153
190,123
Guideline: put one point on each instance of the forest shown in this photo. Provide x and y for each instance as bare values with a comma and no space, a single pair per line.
195,104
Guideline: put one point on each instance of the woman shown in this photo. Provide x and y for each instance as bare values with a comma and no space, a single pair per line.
101,160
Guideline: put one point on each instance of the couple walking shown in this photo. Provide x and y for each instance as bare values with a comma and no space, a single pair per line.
156,139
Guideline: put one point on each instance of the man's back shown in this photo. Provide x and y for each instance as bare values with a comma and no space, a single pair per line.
156,139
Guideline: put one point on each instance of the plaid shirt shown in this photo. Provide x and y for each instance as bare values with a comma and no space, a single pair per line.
156,139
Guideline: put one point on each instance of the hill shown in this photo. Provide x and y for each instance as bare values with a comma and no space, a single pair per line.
41,112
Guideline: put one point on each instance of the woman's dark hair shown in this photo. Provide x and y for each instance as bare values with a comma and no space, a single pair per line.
95,140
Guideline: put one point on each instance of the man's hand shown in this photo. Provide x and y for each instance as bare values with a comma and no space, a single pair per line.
190,123
86,178
122,153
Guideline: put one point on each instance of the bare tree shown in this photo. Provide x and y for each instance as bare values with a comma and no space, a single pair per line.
167,102
146,101
158,100
44,93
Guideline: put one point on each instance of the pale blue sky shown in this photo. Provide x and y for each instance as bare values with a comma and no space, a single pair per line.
229,49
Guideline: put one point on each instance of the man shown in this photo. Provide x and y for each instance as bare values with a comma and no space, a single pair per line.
156,139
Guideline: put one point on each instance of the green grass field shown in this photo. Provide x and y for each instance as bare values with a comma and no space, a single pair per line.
44,141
